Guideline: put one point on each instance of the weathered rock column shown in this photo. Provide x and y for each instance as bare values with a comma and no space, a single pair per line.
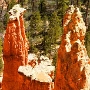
73,68
15,49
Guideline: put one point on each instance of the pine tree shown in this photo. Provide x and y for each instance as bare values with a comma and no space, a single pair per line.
87,23
54,33
1,63
42,7
35,5
11,4
44,33
87,7
34,36
1,27
6,18
22,2
61,8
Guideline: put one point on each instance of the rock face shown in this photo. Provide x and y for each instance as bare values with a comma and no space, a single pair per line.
29,84
73,64
19,74
37,75
15,49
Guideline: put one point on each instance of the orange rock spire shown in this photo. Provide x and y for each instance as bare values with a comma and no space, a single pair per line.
15,49
72,72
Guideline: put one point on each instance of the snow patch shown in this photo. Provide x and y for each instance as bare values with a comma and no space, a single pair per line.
1,79
32,56
40,72
15,12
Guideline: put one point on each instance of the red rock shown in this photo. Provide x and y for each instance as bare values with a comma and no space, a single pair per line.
72,72
15,53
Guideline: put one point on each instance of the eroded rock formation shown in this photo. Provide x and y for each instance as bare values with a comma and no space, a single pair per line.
38,75
15,49
19,72
73,67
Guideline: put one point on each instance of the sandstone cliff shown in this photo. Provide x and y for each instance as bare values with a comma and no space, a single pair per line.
73,69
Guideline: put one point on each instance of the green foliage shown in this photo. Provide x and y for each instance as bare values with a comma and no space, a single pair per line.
87,42
11,4
43,37
54,27
54,59
42,7
35,29
1,63
35,22
23,2
1,27
34,5
6,18
62,6
53,33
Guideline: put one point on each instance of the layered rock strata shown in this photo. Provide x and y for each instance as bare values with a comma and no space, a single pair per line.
73,67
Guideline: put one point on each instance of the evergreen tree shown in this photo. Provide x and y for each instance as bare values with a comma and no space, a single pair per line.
87,23
6,18
35,5
87,42
86,14
1,27
11,4
61,8
44,33
24,3
54,33
34,36
1,63
42,7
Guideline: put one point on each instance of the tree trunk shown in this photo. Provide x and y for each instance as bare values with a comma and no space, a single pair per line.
57,4
77,2
71,2
33,5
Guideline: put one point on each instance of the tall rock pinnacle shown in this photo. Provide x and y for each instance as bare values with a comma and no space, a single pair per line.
15,49
73,68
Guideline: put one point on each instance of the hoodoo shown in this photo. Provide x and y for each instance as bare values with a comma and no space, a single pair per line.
73,63
15,49
73,67
22,71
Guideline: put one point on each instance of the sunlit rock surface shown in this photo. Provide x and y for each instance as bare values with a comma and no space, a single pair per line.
23,71
15,49
73,64
39,72
38,69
